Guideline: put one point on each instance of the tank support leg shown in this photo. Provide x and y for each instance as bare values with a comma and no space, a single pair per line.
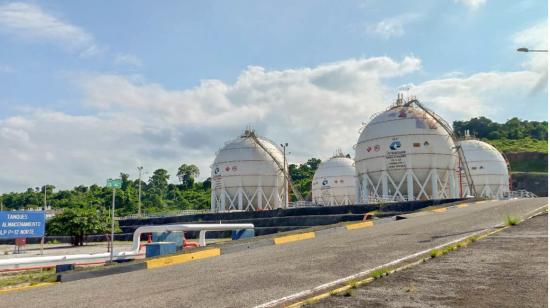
410,186
435,193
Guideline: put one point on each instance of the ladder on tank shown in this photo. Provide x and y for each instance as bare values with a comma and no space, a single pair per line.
449,130
297,193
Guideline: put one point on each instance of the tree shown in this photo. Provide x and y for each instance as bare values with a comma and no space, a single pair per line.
79,222
157,187
187,174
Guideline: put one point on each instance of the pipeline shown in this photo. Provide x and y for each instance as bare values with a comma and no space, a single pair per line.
123,255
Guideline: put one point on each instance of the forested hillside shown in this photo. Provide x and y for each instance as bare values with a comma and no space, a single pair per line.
525,143
513,136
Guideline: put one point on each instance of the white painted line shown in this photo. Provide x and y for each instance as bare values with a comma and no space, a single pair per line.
332,284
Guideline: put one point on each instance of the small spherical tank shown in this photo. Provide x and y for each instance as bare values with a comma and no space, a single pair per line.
488,169
405,153
246,177
335,182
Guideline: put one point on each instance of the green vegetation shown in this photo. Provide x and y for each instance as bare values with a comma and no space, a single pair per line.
520,145
441,251
513,129
302,175
512,137
381,272
79,222
30,277
158,195
511,220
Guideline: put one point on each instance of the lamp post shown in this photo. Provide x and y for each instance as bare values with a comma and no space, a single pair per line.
284,146
44,210
114,184
140,169
523,49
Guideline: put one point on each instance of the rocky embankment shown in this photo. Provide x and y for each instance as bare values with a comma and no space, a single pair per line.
529,171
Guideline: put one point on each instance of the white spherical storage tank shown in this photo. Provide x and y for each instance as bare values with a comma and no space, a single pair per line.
405,153
247,174
488,169
335,182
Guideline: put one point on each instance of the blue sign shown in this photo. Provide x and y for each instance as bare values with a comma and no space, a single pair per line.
395,145
17,224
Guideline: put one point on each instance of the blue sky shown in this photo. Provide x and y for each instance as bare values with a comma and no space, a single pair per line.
168,83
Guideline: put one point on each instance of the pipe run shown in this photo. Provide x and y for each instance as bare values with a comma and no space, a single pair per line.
122,255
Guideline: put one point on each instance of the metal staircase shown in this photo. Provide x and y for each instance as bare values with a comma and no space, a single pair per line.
252,135
449,130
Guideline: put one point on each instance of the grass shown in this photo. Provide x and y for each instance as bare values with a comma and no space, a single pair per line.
512,220
381,272
30,277
520,145
441,251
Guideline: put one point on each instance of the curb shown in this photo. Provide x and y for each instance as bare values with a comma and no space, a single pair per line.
38,285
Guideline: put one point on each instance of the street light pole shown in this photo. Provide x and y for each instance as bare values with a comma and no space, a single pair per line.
44,210
523,49
140,168
284,146
112,225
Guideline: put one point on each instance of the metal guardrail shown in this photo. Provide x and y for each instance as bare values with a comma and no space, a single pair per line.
519,194
167,214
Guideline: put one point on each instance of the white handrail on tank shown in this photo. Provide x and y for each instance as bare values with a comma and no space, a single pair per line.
203,228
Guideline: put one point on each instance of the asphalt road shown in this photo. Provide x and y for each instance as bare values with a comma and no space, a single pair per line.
493,272
249,278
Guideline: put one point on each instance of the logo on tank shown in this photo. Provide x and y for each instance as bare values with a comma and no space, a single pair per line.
325,182
395,145
377,148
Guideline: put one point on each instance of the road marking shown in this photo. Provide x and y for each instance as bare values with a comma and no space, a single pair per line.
360,225
462,205
183,258
38,285
441,210
293,238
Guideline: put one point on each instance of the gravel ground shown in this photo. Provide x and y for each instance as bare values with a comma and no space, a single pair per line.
508,269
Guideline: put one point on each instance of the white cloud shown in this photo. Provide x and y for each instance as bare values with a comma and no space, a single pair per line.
6,69
30,22
534,37
488,93
314,109
127,60
393,26
472,4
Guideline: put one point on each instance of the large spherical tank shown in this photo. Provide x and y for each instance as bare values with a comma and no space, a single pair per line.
488,169
404,153
246,177
335,182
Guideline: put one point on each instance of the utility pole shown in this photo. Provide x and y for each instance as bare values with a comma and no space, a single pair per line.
284,146
114,184
140,168
44,209
112,224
